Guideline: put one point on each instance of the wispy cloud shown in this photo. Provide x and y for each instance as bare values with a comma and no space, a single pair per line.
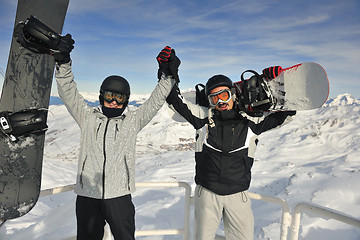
210,37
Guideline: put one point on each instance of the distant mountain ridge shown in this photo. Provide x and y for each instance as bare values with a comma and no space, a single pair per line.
341,100
54,100
57,101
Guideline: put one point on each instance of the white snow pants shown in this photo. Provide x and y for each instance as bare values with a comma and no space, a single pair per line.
235,209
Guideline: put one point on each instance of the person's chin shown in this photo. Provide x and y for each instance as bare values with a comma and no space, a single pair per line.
222,107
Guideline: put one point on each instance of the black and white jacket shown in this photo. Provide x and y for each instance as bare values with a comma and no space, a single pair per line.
225,143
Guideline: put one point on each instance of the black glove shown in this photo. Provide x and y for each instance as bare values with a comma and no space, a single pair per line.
168,63
64,47
272,72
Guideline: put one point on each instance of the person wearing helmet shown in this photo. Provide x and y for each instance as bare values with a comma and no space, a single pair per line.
106,165
226,139
218,89
114,95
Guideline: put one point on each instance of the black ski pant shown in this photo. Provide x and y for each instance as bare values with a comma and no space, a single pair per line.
92,215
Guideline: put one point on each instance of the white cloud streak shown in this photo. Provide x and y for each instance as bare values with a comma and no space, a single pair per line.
214,36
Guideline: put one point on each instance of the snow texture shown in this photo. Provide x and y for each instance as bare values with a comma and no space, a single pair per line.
315,159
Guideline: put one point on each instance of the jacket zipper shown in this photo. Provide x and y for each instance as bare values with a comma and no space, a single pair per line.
104,148
233,135
97,131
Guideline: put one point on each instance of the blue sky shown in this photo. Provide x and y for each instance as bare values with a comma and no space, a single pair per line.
209,36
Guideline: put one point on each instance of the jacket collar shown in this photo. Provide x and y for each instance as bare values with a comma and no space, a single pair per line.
122,116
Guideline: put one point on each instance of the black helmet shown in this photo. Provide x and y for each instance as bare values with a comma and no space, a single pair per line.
114,84
217,81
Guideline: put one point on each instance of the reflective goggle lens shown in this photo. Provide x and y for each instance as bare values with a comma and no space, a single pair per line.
112,96
221,96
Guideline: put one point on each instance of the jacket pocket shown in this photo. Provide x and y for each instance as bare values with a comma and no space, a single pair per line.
81,173
127,172
116,131
98,131
248,163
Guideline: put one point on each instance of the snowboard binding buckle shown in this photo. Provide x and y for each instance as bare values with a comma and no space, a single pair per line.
35,36
23,123
254,94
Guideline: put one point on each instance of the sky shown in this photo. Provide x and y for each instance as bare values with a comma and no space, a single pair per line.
210,37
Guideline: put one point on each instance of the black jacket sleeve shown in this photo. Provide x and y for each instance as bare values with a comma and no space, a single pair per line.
177,101
271,121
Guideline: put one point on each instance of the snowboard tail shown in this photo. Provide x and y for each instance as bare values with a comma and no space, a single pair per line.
306,86
26,95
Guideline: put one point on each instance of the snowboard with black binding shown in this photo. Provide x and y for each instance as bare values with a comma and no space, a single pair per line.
24,103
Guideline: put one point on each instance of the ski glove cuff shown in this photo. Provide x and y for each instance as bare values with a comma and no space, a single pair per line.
272,72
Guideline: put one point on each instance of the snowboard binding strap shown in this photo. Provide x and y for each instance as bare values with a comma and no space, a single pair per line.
35,36
23,123
254,95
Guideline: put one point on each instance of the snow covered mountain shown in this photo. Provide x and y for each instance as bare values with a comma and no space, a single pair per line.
315,158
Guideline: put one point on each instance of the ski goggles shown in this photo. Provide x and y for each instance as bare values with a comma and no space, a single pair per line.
120,98
222,96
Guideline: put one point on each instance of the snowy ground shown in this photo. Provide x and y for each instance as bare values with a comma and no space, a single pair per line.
313,159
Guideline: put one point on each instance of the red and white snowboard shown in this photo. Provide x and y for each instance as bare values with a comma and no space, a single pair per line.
304,86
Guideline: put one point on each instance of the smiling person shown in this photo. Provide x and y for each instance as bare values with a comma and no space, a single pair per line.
106,165
226,139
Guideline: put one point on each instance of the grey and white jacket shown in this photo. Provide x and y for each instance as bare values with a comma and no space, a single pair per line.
106,165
